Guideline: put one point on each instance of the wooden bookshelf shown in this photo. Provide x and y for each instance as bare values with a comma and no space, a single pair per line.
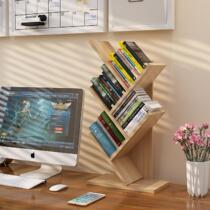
127,175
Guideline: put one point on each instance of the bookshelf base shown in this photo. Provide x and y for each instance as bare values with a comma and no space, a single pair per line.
143,185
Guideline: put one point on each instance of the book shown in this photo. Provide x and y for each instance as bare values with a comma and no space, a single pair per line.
130,56
108,101
105,99
136,103
95,81
103,87
111,85
109,131
137,53
124,66
128,62
122,70
131,116
113,127
102,139
124,103
108,88
108,74
106,132
144,96
135,121
153,105
127,107
120,74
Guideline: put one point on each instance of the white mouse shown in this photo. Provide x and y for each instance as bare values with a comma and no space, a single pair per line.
58,187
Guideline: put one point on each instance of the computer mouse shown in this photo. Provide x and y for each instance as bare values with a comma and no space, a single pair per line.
58,187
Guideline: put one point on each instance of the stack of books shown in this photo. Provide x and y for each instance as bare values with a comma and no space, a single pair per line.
107,87
129,62
107,134
134,108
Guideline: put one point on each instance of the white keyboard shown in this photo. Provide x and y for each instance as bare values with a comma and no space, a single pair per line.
19,181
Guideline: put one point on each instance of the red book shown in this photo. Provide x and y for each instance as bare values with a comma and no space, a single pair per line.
109,130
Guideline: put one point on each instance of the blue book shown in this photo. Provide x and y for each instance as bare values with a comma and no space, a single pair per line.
102,139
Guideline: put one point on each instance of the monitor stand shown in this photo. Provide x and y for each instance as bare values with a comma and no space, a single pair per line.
45,172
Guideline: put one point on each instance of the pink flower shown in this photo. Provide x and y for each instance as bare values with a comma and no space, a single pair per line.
201,143
205,126
178,136
182,128
189,126
194,139
208,134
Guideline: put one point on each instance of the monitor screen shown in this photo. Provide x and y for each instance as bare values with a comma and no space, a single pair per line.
41,118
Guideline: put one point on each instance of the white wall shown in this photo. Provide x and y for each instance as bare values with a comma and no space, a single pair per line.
69,61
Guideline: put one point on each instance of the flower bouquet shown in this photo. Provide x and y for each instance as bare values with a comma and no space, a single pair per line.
195,142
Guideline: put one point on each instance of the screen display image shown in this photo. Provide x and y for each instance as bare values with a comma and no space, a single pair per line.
43,119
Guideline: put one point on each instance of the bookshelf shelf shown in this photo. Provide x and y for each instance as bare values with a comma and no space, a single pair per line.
127,175
149,121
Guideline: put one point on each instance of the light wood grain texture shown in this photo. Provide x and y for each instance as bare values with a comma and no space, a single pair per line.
126,170
145,185
122,159
103,48
142,129
174,197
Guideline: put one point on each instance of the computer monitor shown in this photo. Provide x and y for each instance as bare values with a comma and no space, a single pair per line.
41,125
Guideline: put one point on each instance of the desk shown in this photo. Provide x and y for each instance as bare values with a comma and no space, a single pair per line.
172,198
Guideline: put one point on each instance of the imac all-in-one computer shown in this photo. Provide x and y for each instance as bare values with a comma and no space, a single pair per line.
41,125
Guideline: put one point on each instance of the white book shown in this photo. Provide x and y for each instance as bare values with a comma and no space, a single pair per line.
153,105
136,120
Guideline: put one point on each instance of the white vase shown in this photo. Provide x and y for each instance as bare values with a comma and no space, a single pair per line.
197,178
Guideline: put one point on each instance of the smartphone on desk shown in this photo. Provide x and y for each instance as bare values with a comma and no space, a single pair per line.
86,199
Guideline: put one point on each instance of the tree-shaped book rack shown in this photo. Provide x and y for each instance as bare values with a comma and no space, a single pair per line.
127,175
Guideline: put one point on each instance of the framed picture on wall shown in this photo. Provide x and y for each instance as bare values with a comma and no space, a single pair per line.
3,18
137,15
45,17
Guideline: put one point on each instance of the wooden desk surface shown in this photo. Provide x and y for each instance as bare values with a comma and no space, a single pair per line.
172,198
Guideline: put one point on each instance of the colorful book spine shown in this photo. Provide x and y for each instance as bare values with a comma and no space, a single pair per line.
109,130
134,104
132,115
128,63
112,79
100,91
124,66
103,97
115,130
125,102
109,89
127,107
120,74
105,131
135,121
111,85
129,111
102,139
103,87
124,72
137,53
136,63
